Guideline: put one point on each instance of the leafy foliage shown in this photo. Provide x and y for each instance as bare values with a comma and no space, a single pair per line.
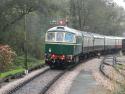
100,16
6,57
20,18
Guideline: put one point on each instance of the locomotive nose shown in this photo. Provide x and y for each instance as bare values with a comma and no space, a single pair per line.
59,49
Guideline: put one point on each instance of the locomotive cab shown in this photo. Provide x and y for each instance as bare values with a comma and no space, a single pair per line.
60,43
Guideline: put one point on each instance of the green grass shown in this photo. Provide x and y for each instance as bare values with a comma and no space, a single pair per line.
120,66
12,72
31,65
20,62
122,87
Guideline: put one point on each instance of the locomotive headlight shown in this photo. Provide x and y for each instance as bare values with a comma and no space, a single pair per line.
49,49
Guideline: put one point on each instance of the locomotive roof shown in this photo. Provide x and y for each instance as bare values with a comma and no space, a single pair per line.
87,34
65,29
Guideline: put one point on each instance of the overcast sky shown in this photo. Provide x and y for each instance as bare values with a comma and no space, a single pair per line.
120,3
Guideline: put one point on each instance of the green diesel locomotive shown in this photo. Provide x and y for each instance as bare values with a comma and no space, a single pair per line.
63,46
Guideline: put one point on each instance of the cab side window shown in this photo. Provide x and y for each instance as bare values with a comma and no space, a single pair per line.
79,40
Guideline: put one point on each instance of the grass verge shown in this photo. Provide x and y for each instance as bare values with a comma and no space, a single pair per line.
18,66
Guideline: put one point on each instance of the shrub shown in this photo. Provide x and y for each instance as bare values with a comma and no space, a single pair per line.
6,57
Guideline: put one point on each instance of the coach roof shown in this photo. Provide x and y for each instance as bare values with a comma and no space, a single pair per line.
97,35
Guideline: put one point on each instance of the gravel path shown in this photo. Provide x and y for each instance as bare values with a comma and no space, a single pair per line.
93,67
86,84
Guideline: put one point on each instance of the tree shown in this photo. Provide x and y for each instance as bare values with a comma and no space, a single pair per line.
100,16
12,19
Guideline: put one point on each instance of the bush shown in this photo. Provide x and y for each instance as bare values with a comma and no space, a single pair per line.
7,55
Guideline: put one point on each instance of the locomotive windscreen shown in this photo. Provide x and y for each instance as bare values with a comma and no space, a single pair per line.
50,36
69,37
60,37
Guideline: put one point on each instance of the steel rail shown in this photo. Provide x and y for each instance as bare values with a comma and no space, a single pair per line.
27,81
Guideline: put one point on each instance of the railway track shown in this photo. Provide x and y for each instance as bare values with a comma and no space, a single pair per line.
110,61
11,78
38,84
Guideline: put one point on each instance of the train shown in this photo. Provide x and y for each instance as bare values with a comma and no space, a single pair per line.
65,46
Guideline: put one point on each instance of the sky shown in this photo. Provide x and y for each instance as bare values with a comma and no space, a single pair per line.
120,3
